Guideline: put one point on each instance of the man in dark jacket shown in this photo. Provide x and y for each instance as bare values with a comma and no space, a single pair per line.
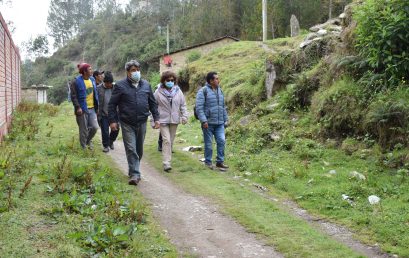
104,95
135,101
84,97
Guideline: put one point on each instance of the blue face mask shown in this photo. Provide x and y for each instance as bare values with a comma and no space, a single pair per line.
136,76
169,84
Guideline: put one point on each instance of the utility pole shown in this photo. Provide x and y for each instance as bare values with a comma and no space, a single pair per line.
264,20
330,10
167,39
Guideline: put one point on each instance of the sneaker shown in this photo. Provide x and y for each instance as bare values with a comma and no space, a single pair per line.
105,149
134,180
209,165
111,146
167,168
221,165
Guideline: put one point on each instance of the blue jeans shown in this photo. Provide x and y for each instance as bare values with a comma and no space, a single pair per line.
133,137
107,137
218,132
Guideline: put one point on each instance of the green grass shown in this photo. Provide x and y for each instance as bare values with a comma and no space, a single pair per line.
297,167
77,208
297,164
289,235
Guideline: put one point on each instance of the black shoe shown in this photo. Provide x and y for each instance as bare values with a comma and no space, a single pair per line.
111,146
159,148
222,165
209,165
134,181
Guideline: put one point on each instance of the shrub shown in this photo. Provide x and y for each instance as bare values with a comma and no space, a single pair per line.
339,109
193,56
387,118
382,38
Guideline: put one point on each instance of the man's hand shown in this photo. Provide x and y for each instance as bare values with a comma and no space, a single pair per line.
226,124
78,112
114,126
184,121
157,125
205,125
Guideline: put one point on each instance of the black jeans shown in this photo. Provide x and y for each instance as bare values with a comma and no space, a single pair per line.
107,137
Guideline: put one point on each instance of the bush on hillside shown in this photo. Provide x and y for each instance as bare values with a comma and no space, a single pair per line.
193,56
339,109
382,38
387,118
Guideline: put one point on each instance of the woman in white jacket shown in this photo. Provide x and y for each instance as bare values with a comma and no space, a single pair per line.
172,111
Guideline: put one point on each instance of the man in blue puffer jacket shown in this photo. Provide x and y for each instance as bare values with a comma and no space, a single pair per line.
134,99
212,113
84,97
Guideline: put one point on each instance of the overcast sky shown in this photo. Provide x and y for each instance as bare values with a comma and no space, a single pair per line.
29,18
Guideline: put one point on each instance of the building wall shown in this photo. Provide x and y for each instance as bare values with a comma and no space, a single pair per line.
10,91
29,95
179,58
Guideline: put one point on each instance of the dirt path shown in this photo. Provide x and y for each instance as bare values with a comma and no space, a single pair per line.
192,223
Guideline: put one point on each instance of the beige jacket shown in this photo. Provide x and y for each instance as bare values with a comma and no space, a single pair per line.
171,112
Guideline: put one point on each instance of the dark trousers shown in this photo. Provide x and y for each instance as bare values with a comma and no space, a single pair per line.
107,137
160,142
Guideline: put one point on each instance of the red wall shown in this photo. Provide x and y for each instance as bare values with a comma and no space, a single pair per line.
10,87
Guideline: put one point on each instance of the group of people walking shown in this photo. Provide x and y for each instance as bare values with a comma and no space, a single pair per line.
128,104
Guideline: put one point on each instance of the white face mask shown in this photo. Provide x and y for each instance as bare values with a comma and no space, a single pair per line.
136,76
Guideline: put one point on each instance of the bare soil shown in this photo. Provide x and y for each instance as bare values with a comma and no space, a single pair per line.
193,224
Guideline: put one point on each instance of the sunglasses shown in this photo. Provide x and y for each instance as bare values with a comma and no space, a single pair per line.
170,80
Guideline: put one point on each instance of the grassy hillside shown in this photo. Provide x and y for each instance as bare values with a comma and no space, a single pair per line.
303,143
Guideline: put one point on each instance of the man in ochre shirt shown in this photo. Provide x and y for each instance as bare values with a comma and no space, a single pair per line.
84,97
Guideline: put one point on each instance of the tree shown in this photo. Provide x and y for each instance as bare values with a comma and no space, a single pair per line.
37,47
66,18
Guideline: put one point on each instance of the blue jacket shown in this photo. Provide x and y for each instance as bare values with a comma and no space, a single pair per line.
79,94
134,103
213,109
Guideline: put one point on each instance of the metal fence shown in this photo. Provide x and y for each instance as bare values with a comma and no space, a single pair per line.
10,90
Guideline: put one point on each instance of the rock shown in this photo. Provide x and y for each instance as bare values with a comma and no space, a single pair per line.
275,137
347,198
272,106
193,148
202,160
357,175
332,172
342,16
262,188
305,43
322,32
335,28
248,173
373,199
295,26
245,120
271,76
311,36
